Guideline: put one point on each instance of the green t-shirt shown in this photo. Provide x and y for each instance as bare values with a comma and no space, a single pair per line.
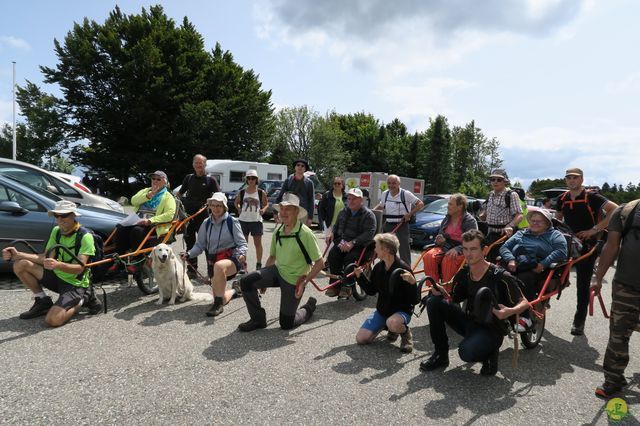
86,247
523,223
336,211
289,258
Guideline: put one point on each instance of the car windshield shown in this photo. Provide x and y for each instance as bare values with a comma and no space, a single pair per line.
437,206
36,188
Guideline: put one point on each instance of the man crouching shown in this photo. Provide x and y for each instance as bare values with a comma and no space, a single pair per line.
294,258
58,273
492,296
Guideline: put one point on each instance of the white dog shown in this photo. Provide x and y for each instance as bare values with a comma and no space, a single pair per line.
171,277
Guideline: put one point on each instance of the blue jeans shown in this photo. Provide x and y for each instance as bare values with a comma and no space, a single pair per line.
479,341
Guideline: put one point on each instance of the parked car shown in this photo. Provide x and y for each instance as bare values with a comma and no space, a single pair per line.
44,179
23,215
73,180
423,232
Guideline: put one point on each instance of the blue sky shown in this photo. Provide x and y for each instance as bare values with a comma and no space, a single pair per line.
557,82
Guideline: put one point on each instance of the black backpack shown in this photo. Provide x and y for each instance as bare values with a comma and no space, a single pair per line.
627,214
98,272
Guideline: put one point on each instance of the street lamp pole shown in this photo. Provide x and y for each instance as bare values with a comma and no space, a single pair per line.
14,110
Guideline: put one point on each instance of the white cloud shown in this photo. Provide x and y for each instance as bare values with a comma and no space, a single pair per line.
6,111
418,34
605,153
415,103
630,82
14,43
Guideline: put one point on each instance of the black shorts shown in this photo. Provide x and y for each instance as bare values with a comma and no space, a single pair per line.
70,295
253,228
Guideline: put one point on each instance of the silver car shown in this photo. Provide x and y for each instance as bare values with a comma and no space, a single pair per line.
23,215
40,178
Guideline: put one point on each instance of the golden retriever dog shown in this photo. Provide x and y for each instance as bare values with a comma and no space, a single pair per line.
172,279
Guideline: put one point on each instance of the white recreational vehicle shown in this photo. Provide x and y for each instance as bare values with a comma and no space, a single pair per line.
230,173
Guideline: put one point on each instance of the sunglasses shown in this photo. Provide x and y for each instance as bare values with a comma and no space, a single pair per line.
62,215
301,165
252,178
496,180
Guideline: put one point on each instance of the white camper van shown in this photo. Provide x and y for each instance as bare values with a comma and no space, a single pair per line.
230,173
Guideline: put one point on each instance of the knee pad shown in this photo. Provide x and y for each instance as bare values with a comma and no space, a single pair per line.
247,281
286,321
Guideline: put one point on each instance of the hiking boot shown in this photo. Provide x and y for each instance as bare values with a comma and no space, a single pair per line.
332,292
436,360
258,266
216,309
577,329
310,306
406,342
607,390
490,365
254,323
40,307
235,285
92,303
345,292
392,337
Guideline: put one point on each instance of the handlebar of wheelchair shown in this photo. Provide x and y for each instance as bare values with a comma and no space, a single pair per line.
23,242
592,295
66,250
188,218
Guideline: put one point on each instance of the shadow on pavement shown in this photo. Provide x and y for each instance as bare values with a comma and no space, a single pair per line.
463,388
238,344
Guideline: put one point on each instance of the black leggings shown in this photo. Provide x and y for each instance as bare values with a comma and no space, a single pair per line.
130,237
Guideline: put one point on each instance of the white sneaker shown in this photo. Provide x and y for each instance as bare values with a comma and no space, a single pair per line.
523,325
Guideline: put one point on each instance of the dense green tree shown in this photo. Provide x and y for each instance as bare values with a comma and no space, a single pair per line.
292,130
539,185
145,94
59,164
45,124
437,168
362,132
326,153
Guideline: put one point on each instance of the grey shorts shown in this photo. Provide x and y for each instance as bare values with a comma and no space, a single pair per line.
70,295
253,228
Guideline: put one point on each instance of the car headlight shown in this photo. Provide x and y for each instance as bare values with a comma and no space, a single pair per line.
114,206
431,225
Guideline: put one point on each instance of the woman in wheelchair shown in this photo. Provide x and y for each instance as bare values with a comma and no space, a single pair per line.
443,261
529,252
154,205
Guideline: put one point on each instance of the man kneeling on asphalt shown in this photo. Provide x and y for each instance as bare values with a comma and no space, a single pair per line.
293,250
58,273
492,295
352,232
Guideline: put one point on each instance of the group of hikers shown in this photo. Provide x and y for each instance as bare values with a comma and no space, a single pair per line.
497,286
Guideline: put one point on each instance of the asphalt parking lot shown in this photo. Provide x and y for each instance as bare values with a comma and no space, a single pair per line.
145,364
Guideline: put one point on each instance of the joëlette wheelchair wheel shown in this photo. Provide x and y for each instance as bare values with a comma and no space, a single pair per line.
358,292
531,338
144,279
